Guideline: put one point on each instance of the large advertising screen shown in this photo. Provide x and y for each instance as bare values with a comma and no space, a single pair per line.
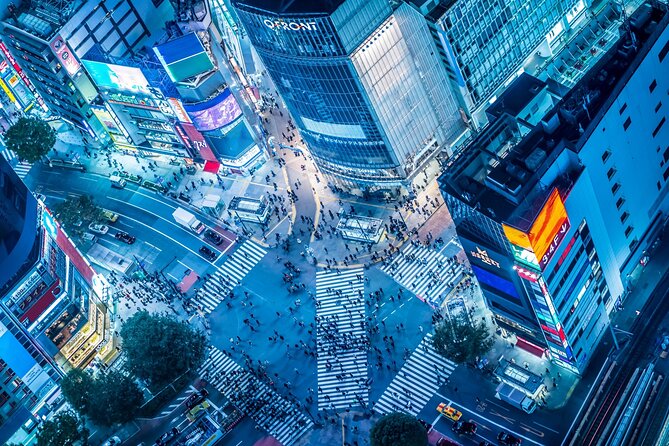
547,232
117,77
214,113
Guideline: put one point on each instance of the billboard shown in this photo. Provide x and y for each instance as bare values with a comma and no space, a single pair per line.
117,77
545,235
65,55
184,57
214,113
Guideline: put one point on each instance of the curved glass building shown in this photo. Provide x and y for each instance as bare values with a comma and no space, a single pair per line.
362,81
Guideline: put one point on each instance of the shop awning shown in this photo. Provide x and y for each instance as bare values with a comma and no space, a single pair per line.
211,166
530,347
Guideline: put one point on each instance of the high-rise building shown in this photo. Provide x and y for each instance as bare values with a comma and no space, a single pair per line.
47,39
485,43
363,82
553,222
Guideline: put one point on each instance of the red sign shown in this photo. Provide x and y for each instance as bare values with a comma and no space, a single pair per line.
18,69
198,141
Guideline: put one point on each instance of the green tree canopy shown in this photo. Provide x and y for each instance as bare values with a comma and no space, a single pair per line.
63,429
398,429
76,212
109,398
77,386
159,349
30,138
461,341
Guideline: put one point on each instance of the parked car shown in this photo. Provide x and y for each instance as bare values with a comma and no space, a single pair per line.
508,439
167,437
208,253
98,228
213,236
113,441
89,237
464,427
125,237
445,441
425,424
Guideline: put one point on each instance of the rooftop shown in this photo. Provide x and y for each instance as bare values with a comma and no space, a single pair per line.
292,6
518,95
500,175
43,18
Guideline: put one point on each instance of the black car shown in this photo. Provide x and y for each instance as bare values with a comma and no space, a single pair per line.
167,437
196,398
464,427
425,424
125,237
208,253
508,439
213,236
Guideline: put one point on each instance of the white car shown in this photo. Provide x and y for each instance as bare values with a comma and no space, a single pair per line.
113,441
98,228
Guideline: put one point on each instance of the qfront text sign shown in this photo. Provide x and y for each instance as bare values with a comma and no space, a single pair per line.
292,26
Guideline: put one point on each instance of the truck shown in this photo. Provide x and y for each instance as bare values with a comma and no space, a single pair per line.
185,218
515,397
117,182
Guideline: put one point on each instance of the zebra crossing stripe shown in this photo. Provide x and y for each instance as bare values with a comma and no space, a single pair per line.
268,409
417,381
229,275
342,365
424,271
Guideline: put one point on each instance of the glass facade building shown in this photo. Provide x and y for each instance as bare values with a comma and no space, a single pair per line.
350,74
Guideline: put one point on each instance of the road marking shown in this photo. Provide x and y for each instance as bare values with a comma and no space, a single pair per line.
546,427
187,267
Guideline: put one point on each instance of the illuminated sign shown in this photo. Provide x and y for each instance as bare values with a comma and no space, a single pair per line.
49,225
547,232
483,256
7,91
25,79
117,77
178,110
214,113
64,54
293,26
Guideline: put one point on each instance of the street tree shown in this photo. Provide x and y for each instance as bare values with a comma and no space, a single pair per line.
74,212
159,348
462,341
116,398
77,386
64,429
31,138
397,429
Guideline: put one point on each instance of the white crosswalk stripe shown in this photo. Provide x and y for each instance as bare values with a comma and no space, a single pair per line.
20,167
417,381
278,416
425,272
342,339
229,275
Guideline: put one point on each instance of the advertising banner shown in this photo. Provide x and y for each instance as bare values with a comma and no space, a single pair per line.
214,113
65,55
117,77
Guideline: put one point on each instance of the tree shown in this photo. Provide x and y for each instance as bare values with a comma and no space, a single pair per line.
63,429
30,138
77,386
115,399
461,341
398,429
75,211
159,349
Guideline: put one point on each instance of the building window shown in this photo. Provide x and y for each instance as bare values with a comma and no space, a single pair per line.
658,106
606,155
627,123
659,127
624,217
610,173
663,52
623,108
659,185
652,85
615,188
665,175
628,231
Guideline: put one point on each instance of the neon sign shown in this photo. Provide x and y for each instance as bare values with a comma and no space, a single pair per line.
292,26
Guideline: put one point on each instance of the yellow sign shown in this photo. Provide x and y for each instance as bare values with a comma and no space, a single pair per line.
8,92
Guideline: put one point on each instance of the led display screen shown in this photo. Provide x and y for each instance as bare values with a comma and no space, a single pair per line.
214,113
117,77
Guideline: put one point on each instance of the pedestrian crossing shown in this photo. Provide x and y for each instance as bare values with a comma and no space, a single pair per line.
425,272
278,416
417,381
20,167
229,275
342,339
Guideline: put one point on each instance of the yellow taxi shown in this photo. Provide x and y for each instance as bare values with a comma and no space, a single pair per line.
449,412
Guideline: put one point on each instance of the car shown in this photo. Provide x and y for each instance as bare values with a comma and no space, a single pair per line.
196,398
113,441
464,427
109,216
507,439
445,441
167,437
449,412
89,237
213,236
98,228
426,425
485,443
125,237
208,253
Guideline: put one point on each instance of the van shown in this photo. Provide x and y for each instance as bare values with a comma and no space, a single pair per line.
89,237
117,182
109,216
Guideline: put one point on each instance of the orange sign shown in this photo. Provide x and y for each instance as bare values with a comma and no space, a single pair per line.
547,231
